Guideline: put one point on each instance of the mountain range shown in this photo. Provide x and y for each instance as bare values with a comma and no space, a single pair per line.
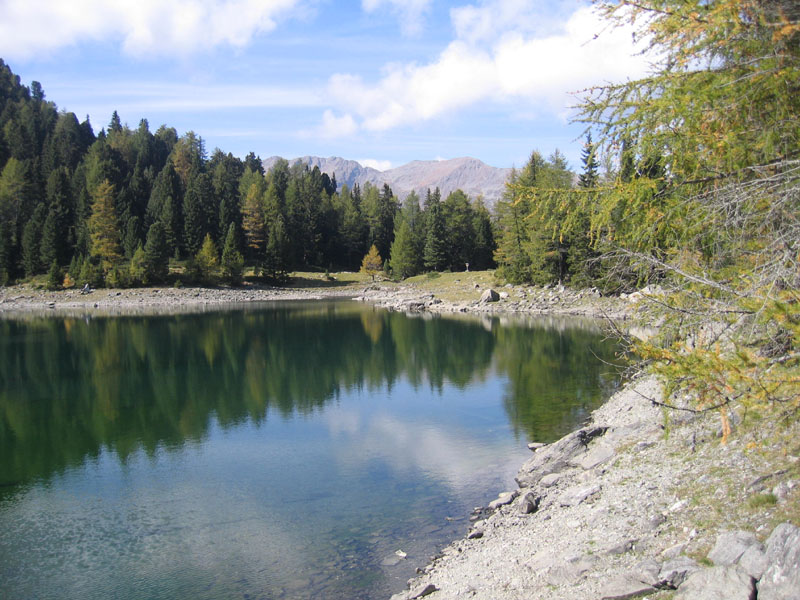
472,176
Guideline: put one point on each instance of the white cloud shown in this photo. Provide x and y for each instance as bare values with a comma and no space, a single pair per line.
411,13
380,165
501,56
144,27
334,127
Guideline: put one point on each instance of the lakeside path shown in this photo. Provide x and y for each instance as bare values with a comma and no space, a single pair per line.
639,502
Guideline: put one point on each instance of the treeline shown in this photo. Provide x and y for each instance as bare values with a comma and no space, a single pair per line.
116,207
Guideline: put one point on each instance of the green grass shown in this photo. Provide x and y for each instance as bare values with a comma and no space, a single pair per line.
762,500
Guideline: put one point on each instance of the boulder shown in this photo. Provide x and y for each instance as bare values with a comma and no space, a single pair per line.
730,547
674,572
781,579
754,561
550,480
623,587
599,454
489,296
503,499
529,503
556,457
718,583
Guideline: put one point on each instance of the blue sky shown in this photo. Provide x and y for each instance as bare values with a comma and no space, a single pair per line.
379,81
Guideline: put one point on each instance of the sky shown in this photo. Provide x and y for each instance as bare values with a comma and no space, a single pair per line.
383,82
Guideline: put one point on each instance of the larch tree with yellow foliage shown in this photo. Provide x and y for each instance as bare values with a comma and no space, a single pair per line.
103,227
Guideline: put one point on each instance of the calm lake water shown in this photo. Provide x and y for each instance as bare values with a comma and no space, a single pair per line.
284,451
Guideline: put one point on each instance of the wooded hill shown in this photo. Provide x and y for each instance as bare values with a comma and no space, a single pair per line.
116,207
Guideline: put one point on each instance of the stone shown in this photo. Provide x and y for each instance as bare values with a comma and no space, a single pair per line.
529,503
503,295
577,494
534,446
599,454
730,546
781,579
625,586
550,480
421,591
475,534
555,457
718,583
647,571
621,547
754,561
503,499
489,295
673,551
642,446
674,572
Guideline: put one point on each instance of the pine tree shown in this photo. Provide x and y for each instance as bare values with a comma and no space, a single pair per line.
275,263
435,252
54,277
404,255
588,177
31,241
156,253
232,261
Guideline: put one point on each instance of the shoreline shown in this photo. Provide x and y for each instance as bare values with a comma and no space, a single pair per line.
645,496
398,297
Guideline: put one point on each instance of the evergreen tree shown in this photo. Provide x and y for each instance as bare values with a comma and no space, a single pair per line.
31,241
232,261
54,277
57,231
194,225
156,253
404,257
588,177
276,256
484,246
459,230
435,252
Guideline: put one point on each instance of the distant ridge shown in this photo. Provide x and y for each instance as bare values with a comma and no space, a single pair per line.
470,175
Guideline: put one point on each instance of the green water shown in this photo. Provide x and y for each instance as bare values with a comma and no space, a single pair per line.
285,451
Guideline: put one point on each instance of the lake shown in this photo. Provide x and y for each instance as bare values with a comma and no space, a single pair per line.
285,450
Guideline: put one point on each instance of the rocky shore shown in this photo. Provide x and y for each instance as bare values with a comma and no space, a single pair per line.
25,299
505,300
642,501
